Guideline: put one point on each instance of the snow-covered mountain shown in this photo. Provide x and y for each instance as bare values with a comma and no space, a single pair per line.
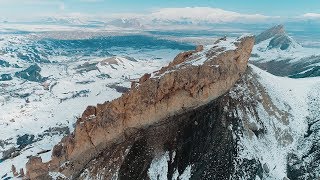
264,127
132,23
279,54
65,20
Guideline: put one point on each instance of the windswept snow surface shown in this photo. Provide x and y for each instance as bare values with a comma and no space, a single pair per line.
288,95
294,53
227,44
158,169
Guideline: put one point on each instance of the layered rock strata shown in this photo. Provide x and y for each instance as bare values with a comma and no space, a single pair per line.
193,79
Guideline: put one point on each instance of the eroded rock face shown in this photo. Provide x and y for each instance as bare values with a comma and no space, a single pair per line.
193,79
202,143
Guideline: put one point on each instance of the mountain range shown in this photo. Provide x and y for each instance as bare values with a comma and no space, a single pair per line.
128,107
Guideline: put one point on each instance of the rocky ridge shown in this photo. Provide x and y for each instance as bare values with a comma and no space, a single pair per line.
193,79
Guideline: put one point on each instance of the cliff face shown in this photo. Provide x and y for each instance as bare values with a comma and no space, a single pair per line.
202,143
191,82
250,132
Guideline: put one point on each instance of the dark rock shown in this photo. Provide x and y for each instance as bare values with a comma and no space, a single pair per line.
25,140
4,176
55,131
9,153
266,168
118,88
4,63
85,82
82,93
57,149
32,73
43,152
137,162
103,76
87,67
281,41
131,59
7,178
313,72
5,77
249,169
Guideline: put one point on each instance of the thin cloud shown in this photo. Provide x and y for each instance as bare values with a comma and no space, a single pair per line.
196,15
311,16
192,15
213,15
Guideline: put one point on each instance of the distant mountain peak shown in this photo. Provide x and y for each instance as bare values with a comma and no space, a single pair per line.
65,20
127,23
277,39
269,33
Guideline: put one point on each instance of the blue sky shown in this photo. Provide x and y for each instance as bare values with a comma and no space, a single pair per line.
25,8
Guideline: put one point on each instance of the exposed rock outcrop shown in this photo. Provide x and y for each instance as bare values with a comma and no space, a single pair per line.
32,73
5,77
192,80
202,143
4,63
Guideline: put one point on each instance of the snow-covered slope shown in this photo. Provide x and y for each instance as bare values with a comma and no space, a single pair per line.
279,54
276,122
39,114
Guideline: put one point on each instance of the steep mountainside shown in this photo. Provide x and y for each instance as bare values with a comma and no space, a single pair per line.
193,79
255,131
279,54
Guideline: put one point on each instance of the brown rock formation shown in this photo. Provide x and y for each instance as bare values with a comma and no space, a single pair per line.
14,170
144,78
193,79
36,169
21,173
